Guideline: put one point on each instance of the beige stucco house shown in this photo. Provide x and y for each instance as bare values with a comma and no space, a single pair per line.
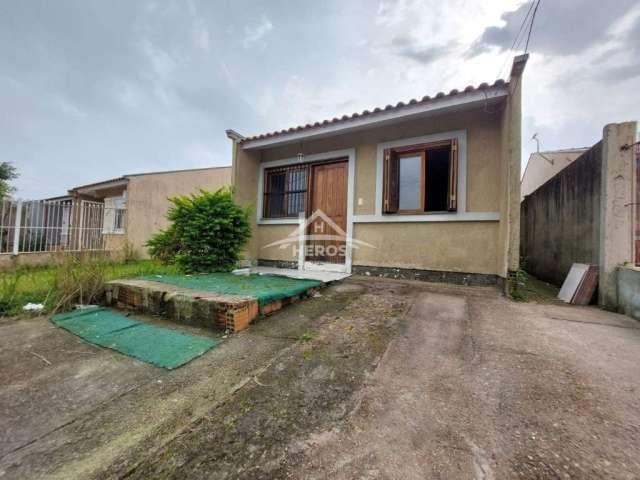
135,206
543,166
429,189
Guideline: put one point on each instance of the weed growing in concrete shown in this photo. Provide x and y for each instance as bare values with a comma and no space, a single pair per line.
306,337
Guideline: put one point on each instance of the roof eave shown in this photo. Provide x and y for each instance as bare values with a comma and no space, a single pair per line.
106,185
460,101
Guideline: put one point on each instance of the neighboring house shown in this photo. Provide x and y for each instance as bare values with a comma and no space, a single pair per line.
133,207
429,189
589,213
544,165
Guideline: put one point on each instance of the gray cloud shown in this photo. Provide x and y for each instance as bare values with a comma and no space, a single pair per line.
92,90
405,46
561,27
633,38
620,73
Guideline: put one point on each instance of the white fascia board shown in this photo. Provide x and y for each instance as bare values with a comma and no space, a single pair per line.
455,102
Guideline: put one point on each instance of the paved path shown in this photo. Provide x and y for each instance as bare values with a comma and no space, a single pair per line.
478,387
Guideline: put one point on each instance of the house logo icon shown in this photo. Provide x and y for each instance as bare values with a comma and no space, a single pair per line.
318,227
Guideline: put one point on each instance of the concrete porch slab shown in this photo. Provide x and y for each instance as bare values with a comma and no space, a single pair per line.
205,307
324,277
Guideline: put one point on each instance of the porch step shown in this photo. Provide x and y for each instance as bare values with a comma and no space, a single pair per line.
232,313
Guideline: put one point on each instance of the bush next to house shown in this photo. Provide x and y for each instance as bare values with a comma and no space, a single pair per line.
207,232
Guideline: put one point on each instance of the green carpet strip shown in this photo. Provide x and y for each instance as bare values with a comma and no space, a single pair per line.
158,346
266,288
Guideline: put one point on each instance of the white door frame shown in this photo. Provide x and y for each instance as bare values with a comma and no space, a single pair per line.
303,264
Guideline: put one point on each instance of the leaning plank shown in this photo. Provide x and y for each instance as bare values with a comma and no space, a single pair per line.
572,282
587,286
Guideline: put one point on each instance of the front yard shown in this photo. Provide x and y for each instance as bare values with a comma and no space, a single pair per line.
38,285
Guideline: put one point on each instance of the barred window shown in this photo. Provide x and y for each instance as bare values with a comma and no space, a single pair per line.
285,191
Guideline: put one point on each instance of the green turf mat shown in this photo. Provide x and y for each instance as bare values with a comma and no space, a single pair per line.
266,288
159,346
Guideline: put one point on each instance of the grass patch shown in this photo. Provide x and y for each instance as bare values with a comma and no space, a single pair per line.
531,289
72,281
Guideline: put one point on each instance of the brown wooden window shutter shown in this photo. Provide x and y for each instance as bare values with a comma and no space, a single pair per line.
391,174
453,176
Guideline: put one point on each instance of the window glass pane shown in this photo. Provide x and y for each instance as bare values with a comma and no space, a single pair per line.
118,223
437,184
276,183
285,191
410,182
297,186
275,199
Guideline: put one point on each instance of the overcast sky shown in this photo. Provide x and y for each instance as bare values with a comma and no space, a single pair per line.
91,90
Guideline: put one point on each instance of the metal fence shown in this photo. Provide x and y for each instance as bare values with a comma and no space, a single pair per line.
31,226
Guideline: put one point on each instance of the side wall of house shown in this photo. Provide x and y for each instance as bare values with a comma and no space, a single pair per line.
455,246
148,198
509,187
245,171
560,221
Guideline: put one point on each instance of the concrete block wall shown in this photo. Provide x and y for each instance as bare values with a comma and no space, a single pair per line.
585,214
560,221
628,280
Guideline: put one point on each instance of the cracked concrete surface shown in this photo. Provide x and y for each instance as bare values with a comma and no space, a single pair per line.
480,387
391,379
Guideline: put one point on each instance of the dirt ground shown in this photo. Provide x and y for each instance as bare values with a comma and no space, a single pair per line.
371,379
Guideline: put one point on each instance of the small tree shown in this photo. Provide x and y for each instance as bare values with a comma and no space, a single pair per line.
207,232
7,173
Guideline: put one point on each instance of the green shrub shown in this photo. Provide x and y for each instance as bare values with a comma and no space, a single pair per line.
207,232
164,245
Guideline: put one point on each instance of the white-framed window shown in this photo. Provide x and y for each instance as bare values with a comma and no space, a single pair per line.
114,220
118,220
421,178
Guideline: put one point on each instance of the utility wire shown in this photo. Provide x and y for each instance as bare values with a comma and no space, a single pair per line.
526,47
533,18
516,42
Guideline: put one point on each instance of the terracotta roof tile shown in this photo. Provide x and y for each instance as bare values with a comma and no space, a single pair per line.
364,113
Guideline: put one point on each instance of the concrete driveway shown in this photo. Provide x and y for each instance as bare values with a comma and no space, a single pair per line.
373,379
479,387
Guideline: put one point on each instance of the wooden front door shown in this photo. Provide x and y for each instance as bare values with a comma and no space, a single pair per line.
328,213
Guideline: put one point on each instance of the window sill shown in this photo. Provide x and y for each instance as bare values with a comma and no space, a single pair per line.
113,232
279,221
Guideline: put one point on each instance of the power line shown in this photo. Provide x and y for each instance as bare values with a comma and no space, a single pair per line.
516,42
533,18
